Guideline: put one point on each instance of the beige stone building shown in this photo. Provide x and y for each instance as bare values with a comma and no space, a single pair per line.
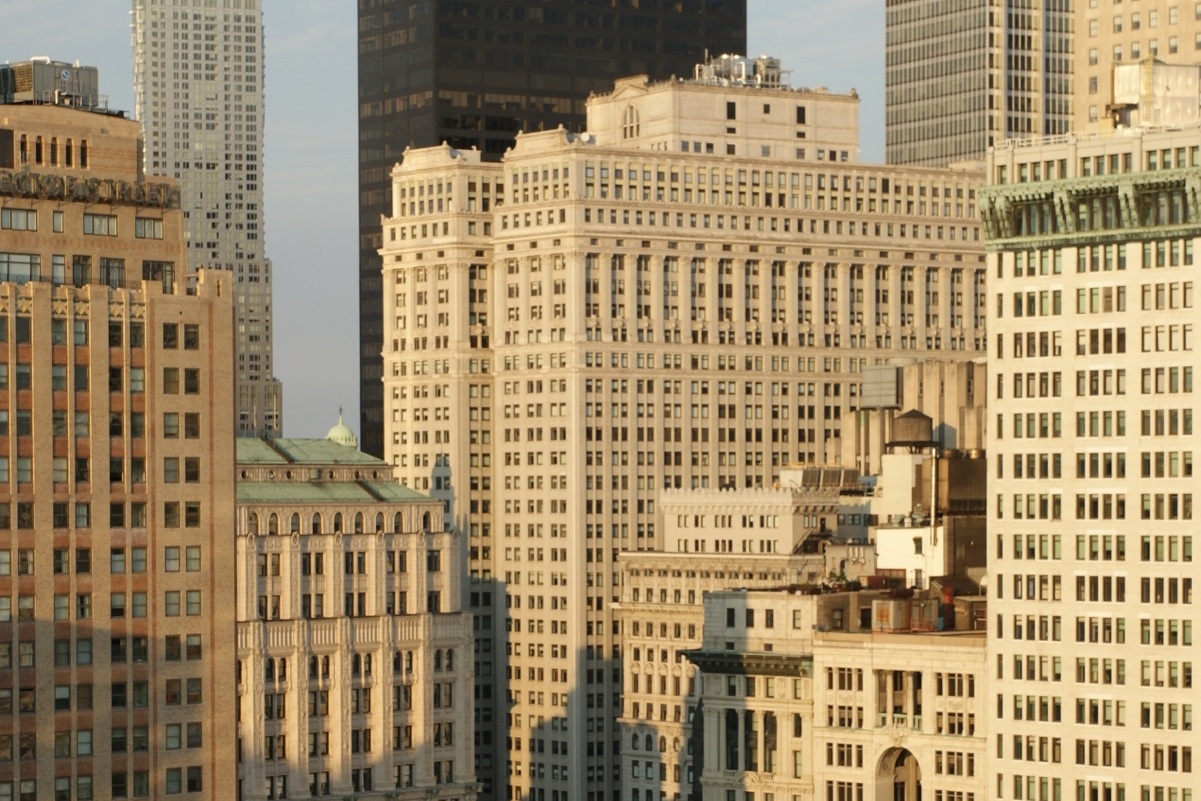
354,655
1092,243
766,118
1109,35
848,696
713,540
116,475
578,327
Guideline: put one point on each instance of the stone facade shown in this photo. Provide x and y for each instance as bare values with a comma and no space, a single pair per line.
826,697
354,657
1092,242
580,326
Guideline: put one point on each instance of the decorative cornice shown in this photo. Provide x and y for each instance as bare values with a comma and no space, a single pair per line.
756,663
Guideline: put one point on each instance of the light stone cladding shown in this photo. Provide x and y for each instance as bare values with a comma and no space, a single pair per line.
115,655
1112,34
354,654
198,86
963,76
1092,242
696,116
714,540
802,702
578,327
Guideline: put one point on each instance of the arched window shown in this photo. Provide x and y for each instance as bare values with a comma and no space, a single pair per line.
649,743
438,661
295,523
358,523
356,665
396,527
273,524
634,742
253,522
450,659
662,745
314,664
325,667
283,669
338,523
379,523
269,670
629,123
426,519
316,524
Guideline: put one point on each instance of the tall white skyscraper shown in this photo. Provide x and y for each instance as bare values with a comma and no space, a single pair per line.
198,79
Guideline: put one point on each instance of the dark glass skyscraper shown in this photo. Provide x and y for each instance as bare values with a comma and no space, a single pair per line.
473,73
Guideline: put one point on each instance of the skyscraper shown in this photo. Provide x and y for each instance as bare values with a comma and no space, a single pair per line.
686,296
474,74
1092,243
962,76
116,470
198,82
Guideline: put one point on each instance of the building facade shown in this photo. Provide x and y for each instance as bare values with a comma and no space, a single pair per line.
198,86
1091,246
1111,35
713,540
354,654
963,76
473,75
116,483
576,328
847,696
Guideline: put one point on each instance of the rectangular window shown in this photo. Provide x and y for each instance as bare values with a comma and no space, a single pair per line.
100,224
147,228
19,219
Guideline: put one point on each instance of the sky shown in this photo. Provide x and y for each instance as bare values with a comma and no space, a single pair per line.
311,208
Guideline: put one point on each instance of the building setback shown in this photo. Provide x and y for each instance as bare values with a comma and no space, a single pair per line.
590,321
473,75
116,474
761,538
1092,242
354,657
202,119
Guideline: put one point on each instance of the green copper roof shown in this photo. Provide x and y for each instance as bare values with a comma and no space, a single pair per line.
310,452
318,492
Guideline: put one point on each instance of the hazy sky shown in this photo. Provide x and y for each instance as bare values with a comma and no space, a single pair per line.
310,178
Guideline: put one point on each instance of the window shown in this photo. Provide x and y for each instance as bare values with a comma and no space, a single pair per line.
100,224
19,219
147,228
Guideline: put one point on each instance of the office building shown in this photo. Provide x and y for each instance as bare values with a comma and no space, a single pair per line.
716,539
198,86
1091,242
1112,35
842,695
116,473
963,76
473,75
354,654
631,319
